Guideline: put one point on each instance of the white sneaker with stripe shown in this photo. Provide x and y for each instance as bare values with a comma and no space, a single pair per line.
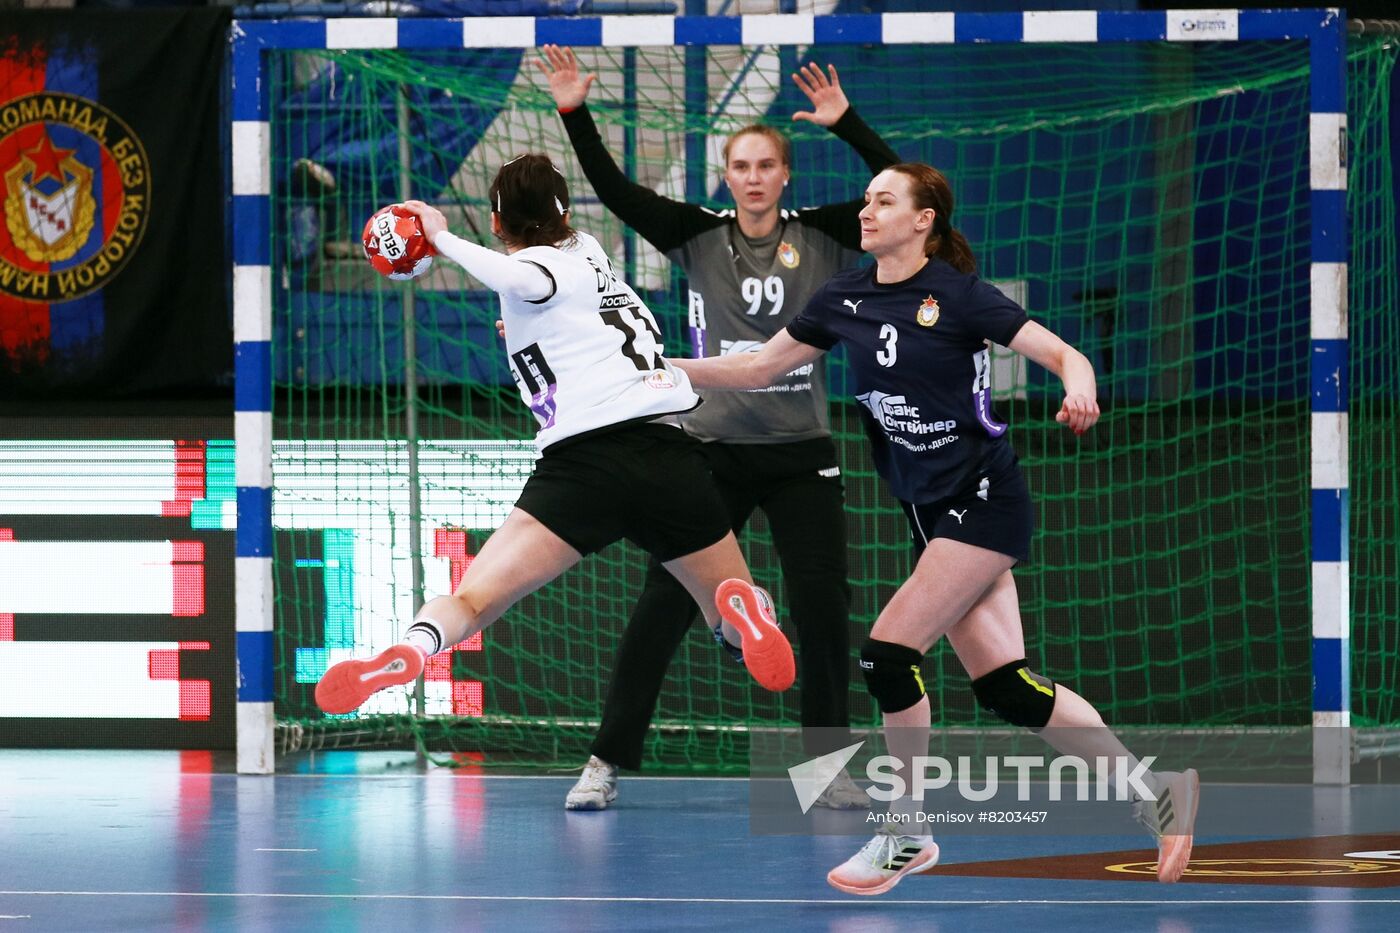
883,861
1171,818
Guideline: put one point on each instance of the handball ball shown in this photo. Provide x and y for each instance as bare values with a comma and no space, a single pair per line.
395,244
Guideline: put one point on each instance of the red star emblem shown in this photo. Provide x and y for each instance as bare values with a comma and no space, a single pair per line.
47,161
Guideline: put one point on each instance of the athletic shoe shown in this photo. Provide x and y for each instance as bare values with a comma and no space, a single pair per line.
843,794
596,787
883,861
348,684
767,654
1171,818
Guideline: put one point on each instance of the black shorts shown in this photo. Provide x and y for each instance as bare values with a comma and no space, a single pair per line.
994,513
648,483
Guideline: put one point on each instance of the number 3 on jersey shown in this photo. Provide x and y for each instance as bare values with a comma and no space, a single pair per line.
613,318
755,290
887,354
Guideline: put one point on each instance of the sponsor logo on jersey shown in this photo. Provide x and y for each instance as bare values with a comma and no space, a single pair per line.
830,472
788,255
927,315
853,305
659,379
894,413
76,185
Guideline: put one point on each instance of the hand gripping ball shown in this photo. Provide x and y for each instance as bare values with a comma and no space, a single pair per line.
395,244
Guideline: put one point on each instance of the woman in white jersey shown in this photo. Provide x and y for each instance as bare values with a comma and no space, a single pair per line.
915,327
586,354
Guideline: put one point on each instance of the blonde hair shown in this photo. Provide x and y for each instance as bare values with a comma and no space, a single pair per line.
776,137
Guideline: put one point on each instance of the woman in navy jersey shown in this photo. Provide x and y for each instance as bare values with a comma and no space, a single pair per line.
614,463
915,326
749,271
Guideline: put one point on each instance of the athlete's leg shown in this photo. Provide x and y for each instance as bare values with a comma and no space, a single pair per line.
991,646
717,576
948,579
519,558
659,623
808,523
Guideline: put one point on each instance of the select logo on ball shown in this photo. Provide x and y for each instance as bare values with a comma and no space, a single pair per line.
395,245
76,185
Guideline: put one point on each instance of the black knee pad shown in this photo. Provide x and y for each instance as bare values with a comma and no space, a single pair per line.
892,674
1017,694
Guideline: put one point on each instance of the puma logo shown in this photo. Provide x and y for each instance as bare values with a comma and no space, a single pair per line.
957,515
854,306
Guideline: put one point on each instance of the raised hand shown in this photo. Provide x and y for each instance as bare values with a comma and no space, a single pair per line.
824,91
560,68
429,218
1079,413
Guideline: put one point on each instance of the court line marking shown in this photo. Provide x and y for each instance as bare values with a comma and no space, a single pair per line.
700,900
286,850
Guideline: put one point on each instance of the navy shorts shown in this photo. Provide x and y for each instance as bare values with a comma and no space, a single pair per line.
649,483
995,512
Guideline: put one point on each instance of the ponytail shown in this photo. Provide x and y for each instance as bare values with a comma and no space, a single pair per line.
949,245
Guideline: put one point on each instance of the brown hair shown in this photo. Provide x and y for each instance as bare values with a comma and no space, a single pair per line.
930,189
779,140
531,196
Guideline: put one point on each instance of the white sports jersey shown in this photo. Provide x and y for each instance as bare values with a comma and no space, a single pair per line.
590,354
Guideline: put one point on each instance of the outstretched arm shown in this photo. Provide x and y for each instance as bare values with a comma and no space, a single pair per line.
831,109
662,222
1080,409
498,272
779,356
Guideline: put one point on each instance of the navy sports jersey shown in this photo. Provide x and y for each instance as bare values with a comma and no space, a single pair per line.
922,371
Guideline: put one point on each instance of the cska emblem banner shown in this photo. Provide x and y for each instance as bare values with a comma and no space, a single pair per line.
112,251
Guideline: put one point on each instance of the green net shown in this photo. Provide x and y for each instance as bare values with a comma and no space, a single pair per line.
1374,322
1148,202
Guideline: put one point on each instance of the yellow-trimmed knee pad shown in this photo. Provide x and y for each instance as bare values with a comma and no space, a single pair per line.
892,674
1017,694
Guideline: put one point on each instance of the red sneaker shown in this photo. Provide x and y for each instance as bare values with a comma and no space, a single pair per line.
348,684
767,654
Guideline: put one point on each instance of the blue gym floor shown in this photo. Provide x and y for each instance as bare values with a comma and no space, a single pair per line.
370,841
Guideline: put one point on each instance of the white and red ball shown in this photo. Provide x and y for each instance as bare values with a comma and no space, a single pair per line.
395,244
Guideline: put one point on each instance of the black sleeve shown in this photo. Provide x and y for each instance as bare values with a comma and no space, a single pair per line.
841,221
807,327
866,142
662,222
992,315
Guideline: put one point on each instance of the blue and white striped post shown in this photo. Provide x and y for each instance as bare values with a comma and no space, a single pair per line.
1331,615
1324,30
252,336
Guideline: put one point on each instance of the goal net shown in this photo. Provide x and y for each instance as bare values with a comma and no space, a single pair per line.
1147,201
